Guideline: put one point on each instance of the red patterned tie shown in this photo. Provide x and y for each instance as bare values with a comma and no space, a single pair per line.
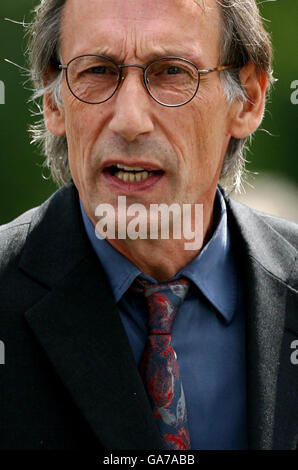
158,366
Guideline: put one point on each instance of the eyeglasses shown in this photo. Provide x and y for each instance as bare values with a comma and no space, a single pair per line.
171,81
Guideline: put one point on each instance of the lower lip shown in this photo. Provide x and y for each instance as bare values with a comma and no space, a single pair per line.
135,186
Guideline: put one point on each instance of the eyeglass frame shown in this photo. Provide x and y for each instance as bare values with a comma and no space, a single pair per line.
120,67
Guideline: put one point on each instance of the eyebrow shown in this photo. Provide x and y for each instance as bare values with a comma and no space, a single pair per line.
154,54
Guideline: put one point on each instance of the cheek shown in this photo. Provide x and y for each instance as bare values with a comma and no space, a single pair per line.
203,138
210,125
78,123
83,126
195,135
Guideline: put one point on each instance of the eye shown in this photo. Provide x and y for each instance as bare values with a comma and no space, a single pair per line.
174,70
100,70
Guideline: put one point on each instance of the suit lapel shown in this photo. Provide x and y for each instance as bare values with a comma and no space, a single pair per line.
81,332
266,263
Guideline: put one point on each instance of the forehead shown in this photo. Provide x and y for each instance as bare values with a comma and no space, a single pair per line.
132,27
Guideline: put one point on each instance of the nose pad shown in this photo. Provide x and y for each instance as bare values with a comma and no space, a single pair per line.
121,83
141,70
123,77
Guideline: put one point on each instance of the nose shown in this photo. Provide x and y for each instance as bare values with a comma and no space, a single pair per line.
132,108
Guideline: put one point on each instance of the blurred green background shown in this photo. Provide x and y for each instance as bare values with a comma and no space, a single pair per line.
21,183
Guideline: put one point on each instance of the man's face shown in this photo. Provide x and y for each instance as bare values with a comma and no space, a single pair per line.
185,144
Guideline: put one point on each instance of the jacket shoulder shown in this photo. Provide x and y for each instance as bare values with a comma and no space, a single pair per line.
13,236
29,234
284,228
23,219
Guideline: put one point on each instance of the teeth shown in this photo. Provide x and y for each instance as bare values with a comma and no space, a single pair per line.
129,177
129,168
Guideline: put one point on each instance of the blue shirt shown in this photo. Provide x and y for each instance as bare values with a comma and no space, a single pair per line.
208,334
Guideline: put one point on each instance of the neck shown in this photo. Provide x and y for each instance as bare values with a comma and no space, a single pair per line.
162,259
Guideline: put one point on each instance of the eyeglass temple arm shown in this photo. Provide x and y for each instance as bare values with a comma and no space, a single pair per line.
220,68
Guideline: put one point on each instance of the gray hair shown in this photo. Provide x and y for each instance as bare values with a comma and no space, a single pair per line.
244,39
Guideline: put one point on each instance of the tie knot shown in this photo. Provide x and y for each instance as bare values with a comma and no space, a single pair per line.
163,300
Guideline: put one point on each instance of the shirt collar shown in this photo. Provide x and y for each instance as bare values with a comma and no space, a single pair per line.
120,271
212,270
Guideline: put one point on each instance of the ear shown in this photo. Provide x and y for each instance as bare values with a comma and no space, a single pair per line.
247,116
53,112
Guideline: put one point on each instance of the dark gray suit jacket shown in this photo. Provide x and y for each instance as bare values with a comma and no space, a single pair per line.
70,380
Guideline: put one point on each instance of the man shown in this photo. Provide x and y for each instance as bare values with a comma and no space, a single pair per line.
151,100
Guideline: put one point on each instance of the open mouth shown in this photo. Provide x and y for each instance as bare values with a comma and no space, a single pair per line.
131,174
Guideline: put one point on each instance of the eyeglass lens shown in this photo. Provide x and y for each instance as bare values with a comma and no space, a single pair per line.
94,79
